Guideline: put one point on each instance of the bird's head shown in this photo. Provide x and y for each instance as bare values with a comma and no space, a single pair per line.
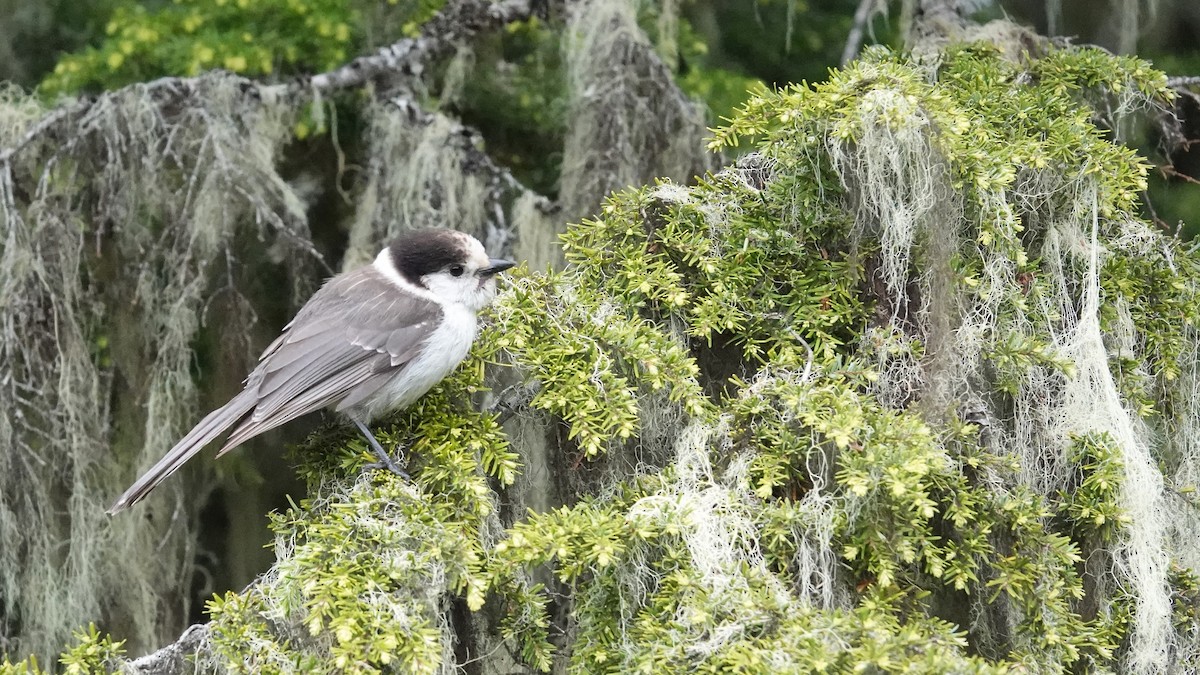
451,266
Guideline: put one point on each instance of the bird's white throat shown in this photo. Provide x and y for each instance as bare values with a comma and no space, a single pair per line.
468,290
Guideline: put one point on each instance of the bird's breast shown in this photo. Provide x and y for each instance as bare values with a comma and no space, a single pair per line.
441,353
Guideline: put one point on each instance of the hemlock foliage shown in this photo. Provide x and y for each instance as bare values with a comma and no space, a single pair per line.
911,388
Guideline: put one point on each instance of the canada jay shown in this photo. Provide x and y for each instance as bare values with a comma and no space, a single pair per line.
370,341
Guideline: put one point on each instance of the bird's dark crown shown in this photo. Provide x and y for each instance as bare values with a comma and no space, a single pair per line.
422,252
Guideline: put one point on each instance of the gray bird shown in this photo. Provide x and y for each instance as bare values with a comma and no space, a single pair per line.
370,341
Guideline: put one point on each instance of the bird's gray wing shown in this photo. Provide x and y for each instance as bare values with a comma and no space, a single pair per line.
294,408
358,329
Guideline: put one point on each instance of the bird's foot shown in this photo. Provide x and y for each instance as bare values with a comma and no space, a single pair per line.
385,460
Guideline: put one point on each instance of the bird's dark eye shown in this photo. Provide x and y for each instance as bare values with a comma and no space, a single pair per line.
456,270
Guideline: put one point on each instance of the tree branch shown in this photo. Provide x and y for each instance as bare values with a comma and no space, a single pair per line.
458,21
49,121
452,25
861,16
172,659
936,21
1183,81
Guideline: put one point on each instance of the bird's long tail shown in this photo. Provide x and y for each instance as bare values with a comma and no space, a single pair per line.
213,425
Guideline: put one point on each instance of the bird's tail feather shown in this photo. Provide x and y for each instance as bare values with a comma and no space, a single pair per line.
213,425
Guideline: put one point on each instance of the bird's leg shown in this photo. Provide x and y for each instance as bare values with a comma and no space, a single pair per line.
385,460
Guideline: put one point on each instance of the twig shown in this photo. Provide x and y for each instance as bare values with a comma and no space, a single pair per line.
42,126
172,659
513,399
854,42
1183,81
1169,171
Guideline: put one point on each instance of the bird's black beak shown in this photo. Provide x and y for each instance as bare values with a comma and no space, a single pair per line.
495,266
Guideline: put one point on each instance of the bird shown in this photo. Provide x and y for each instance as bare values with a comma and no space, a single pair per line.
370,341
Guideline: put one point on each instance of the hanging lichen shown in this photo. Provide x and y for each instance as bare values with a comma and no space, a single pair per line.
627,122
99,313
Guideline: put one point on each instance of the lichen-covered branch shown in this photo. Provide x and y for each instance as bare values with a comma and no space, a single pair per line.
1183,81
1172,121
175,658
469,142
935,22
47,122
862,16
456,23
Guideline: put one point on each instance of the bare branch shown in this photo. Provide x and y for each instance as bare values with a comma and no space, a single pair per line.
854,41
172,659
1180,82
455,23
1169,171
